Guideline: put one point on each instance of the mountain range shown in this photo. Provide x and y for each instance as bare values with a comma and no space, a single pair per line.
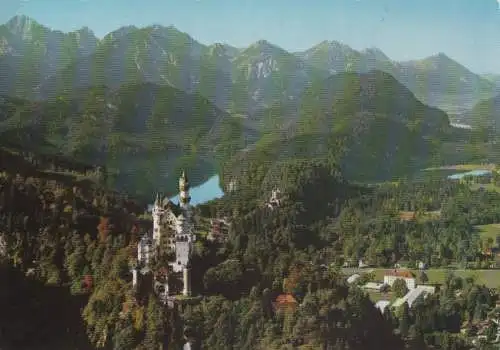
145,102
39,63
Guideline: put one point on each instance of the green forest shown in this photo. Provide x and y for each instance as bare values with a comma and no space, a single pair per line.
68,243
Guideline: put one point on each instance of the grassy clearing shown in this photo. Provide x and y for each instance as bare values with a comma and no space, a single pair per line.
488,231
376,296
490,278
488,187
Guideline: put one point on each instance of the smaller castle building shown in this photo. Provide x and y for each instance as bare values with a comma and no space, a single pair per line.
275,200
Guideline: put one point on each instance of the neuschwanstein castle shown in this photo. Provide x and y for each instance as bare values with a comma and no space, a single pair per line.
163,256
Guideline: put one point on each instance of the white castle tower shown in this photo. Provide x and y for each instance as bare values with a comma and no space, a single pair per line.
172,227
184,236
157,215
184,197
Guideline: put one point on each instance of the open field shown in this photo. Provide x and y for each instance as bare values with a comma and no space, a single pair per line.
464,167
490,278
488,231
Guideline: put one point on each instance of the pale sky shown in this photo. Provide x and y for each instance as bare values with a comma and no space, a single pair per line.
466,30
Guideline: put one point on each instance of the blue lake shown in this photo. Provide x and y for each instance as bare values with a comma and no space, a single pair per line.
477,172
203,193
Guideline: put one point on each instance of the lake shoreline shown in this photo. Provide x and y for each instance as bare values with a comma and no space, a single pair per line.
205,192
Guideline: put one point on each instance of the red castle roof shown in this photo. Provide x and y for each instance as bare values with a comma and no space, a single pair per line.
400,273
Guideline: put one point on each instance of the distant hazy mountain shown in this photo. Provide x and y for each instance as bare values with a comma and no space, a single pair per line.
264,74
494,78
239,80
36,61
440,81
336,57
437,80
229,50
332,56
30,51
159,55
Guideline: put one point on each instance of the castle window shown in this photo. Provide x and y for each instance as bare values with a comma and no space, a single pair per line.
178,262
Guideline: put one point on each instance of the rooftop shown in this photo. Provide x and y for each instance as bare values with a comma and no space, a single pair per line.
382,304
400,273
286,299
353,278
373,285
413,295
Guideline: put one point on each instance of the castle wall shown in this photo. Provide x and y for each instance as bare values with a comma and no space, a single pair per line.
186,282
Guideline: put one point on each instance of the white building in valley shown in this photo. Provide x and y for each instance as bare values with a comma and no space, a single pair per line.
405,275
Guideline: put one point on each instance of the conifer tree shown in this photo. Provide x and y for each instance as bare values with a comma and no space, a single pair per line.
404,320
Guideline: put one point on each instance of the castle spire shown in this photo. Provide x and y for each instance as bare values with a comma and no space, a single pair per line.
184,197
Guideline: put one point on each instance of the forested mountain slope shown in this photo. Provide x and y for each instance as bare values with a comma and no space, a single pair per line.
372,125
143,134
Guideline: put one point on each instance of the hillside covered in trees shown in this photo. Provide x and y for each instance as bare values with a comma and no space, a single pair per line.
373,127
142,134
74,241
76,238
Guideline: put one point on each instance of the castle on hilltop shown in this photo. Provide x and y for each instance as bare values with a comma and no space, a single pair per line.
163,255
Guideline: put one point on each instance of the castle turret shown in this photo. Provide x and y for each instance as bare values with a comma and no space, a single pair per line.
184,197
157,213
135,272
144,250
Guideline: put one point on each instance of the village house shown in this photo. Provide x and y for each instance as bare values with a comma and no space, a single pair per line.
405,275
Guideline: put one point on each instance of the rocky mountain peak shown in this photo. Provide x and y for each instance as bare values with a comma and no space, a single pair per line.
376,53
22,25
